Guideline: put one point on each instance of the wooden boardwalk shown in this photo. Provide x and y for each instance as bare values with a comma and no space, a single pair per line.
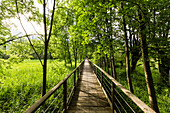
89,97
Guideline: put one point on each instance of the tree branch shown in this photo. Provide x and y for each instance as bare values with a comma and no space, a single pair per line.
52,17
25,17
27,34
12,39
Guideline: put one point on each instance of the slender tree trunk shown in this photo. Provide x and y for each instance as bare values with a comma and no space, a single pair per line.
107,64
103,63
75,54
45,51
147,70
113,69
46,44
45,69
69,54
76,58
127,56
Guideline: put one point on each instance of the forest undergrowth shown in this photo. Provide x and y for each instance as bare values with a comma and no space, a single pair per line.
140,88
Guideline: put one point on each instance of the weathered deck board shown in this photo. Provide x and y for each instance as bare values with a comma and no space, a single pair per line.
89,97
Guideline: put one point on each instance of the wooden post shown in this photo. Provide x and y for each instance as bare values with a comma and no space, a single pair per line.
65,96
112,94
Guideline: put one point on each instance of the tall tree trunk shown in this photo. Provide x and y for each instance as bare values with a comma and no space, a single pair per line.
112,59
112,64
75,53
69,54
45,69
46,43
147,70
107,64
45,51
127,55
76,58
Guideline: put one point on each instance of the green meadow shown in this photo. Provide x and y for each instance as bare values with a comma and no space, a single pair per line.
21,84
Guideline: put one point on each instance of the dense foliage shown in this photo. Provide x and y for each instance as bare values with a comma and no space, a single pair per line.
124,37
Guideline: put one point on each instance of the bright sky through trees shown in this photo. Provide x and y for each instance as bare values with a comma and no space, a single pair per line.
14,24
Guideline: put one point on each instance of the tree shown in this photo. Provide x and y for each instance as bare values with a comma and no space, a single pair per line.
127,54
144,48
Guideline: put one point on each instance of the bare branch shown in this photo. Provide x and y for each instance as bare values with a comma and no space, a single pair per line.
25,17
45,23
12,38
52,17
27,34
33,26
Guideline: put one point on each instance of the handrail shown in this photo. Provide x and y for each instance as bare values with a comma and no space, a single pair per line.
63,82
135,99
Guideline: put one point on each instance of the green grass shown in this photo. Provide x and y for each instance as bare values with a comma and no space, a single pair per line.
21,85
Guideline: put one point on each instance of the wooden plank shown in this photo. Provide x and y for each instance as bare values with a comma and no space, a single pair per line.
89,96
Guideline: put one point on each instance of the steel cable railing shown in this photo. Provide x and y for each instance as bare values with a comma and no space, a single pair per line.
121,100
59,97
124,101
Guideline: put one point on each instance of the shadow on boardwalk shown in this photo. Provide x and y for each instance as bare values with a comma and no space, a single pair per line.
89,97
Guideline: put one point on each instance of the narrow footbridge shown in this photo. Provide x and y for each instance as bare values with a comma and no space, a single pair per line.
89,89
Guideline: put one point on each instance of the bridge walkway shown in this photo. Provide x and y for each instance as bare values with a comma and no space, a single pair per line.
89,97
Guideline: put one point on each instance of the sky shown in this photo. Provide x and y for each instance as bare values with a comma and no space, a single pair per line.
15,26
27,25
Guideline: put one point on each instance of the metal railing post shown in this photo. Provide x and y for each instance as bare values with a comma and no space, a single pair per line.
65,97
113,99
101,78
98,75
95,70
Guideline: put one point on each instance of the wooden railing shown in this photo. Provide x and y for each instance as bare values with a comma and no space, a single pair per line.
121,100
58,98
